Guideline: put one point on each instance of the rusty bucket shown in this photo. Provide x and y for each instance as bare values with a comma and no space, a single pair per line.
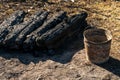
97,45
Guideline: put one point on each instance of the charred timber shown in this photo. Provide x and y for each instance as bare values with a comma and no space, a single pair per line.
61,31
9,40
15,18
34,25
51,23
9,23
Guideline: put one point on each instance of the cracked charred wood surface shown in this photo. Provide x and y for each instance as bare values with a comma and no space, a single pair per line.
8,24
30,28
30,43
15,18
62,41
9,40
61,31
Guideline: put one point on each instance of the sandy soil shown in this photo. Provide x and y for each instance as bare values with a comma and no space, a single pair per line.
70,63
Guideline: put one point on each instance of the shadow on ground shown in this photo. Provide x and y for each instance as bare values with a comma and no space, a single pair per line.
113,65
62,55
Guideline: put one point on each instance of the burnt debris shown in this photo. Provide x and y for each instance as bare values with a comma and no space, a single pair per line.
40,31
7,25
54,37
9,40
30,42
30,28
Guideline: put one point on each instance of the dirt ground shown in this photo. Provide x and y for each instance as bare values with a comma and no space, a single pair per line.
70,63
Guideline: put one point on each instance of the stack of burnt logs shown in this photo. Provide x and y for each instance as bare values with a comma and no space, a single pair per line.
41,31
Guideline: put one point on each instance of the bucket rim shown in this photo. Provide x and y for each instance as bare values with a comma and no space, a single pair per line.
103,42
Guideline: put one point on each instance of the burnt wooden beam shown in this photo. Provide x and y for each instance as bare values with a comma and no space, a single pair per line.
9,40
8,24
29,43
54,36
30,28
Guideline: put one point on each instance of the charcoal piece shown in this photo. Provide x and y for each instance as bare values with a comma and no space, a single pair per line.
65,28
34,25
29,43
69,37
56,19
15,18
9,40
8,24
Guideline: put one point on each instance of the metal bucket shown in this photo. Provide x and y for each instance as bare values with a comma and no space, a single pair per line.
97,45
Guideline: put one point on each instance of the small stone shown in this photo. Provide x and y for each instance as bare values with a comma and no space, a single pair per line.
106,77
29,10
31,7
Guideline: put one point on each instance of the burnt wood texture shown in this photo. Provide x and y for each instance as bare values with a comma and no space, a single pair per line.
30,28
8,24
53,37
49,24
41,31
9,40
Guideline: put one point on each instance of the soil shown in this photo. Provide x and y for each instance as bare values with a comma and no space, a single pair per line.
69,62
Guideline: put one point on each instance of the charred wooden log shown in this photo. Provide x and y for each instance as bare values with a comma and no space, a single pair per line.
9,23
69,37
30,41
15,18
61,31
34,25
9,40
